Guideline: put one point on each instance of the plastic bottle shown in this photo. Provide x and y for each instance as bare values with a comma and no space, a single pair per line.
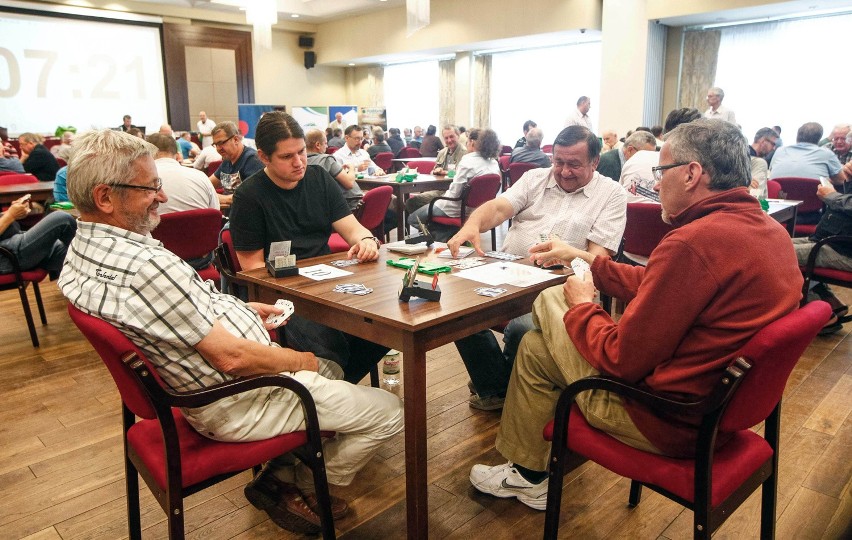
390,373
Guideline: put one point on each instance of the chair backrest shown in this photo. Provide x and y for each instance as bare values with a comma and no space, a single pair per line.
228,243
61,162
506,149
190,234
801,189
6,173
409,152
212,167
483,188
504,163
773,189
374,207
423,167
332,149
645,228
112,345
772,353
383,160
17,178
517,170
547,148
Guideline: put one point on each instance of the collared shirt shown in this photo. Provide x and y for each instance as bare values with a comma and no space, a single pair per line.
206,157
345,156
155,299
334,168
579,119
637,178
722,113
596,212
445,158
186,188
206,127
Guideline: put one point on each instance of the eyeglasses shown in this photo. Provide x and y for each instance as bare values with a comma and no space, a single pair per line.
155,189
221,143
658,171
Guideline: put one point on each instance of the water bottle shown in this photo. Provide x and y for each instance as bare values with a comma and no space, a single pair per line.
390,373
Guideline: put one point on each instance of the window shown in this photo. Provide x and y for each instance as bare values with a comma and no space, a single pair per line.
543,85
786,73
411,95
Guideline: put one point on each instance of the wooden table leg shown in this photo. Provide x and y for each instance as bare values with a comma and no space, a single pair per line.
414,380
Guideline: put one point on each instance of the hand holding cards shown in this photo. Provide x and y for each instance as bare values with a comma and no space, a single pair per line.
580,267
278,320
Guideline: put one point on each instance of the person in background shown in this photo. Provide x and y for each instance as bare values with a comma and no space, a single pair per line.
449,157
531,151
337,140
205,127
43,245
580,116
431,143
657,131
407,136
612,162
395,141
8,150
805,159
354,156
379,144
763,145
63,149
238,160
520,143
610,141
188,149
716,110
338,122
839,143
483,148
36,158
343,174
126,123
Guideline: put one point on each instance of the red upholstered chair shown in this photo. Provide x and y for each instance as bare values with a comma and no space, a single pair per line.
644,230
423,167
517,170
384,160
11,179
718,479
477,191
802,189
227,263
175,460
547,148
6,173
332,149
773,189
61,162
191,234
20,279
503,161
832,276
408,152
212,167
506,150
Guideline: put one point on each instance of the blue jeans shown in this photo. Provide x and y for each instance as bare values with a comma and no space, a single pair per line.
489,367
355,355
42,246
441,233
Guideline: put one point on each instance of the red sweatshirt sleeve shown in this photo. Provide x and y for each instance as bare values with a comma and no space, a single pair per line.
675,288
616,279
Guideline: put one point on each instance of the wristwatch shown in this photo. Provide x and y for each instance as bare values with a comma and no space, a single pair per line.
374,239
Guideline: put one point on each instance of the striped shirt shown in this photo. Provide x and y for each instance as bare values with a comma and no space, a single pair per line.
597,212
155,299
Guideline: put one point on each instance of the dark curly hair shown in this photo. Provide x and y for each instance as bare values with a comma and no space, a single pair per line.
486,142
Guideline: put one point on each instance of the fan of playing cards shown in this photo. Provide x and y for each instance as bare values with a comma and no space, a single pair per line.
353,288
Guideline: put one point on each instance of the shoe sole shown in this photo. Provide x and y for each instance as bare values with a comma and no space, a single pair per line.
283,518
535,504
480,407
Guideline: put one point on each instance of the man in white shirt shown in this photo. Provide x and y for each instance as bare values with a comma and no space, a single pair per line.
338,122
187,188
580,116
353,155
205,129
716,111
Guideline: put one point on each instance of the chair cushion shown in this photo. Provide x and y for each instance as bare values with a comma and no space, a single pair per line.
804,229
831,273
337,244
210,273
203,458
29,275
453,222
733,463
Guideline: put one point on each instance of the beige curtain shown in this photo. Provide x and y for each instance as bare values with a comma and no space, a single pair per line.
482,91
446,92
376,86
700,55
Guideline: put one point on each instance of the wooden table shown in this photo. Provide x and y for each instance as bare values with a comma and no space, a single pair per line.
423,182
413,328
784,212
40,191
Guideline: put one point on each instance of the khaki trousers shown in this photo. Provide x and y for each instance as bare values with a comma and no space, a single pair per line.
546,363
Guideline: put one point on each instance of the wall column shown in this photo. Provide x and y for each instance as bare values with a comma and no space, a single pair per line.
464,72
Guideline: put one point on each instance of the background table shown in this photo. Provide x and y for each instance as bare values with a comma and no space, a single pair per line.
423,182
413,328
40,191
784,212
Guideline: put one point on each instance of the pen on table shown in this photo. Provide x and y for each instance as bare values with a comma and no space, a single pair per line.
435,280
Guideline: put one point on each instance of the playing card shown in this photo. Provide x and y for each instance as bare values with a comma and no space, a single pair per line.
489,291
278,320
352,288
462,264
503,256
343,263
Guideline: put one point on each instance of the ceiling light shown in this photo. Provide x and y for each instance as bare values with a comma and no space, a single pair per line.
351,63
295,15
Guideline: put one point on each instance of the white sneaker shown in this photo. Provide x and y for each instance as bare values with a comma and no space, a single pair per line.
505,481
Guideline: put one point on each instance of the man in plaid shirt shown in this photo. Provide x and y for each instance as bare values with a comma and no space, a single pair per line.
198,337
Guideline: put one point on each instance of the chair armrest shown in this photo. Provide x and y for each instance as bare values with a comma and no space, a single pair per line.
16,267
830,241
461,198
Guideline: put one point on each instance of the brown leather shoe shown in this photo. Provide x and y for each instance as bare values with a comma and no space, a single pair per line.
339,508
283,503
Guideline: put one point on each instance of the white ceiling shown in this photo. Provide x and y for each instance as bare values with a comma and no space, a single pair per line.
309,11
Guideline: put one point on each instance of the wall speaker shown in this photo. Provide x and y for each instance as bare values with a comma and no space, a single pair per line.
306,42
310,59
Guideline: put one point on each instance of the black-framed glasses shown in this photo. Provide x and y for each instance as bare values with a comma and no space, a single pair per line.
155,189
658,170
222,143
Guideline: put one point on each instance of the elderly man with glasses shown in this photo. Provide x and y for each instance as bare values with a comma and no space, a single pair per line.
238,160
690,311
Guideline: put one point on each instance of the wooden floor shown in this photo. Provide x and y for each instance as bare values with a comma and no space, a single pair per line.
61,472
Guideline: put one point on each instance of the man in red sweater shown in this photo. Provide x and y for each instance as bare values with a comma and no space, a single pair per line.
724,272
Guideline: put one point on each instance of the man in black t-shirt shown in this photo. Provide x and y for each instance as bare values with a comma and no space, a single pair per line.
291,200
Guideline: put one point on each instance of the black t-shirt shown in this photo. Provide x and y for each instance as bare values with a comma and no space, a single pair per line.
41,164
262,213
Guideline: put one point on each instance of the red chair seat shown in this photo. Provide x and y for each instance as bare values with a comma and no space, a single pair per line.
804,229
337,244
831,273
209,273
36,275
452,221
733,463
206,458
